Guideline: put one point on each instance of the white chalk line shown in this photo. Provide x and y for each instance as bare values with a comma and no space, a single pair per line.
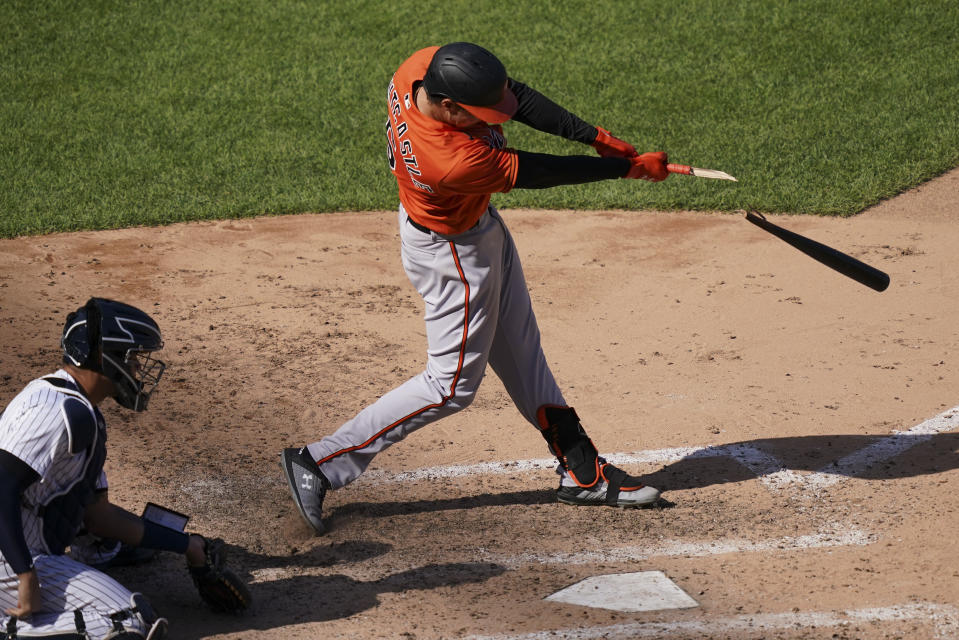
763,465
829,536
888,447
766,467
655,456
943,618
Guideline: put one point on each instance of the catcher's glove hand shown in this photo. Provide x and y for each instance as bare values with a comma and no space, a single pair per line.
219,587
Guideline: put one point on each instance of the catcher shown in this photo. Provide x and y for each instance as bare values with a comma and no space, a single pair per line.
52,486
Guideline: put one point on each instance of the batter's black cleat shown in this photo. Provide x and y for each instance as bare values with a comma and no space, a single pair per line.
614,488
307,484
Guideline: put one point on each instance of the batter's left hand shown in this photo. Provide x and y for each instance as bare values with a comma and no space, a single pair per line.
609,146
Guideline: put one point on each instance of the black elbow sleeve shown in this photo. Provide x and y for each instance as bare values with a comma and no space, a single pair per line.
15,476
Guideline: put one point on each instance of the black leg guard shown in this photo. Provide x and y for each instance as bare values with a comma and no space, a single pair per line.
569,443
156,626
139,622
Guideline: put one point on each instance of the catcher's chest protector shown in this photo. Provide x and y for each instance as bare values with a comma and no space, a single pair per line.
62,515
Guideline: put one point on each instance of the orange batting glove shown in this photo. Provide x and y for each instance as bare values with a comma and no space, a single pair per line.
609,146
649,166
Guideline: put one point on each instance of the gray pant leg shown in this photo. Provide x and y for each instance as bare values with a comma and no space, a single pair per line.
516,355
460,280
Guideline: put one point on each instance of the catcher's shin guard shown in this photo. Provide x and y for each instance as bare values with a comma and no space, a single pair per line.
155,625
569,443
138,622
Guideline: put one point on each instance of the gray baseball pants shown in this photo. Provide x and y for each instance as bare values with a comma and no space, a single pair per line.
477,312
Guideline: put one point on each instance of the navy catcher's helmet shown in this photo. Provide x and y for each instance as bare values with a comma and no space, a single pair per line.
117,340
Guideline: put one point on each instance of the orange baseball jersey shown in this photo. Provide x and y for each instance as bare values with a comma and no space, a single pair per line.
445,174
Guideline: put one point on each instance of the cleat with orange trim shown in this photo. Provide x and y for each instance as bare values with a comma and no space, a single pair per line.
307,484
615,488
587,478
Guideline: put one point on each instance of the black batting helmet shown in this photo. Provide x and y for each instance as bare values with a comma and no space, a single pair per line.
473,78
117,340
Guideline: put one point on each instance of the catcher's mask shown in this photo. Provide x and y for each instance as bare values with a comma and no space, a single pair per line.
117,340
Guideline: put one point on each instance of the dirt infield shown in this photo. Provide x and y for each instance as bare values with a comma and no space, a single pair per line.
799,423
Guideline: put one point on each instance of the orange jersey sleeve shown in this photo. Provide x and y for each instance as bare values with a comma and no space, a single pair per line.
445,174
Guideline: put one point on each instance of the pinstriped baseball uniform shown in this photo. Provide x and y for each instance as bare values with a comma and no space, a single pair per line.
33,428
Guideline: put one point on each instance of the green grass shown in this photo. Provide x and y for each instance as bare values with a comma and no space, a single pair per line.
131,112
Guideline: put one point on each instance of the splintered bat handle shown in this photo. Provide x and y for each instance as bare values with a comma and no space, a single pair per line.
684,169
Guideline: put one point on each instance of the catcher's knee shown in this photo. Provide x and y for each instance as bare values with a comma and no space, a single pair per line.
156,627
568,441
137,622
152,634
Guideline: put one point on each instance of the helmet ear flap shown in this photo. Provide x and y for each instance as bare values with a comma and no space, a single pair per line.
82,337
94,359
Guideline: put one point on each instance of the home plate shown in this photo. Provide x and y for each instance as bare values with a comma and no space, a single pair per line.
642,591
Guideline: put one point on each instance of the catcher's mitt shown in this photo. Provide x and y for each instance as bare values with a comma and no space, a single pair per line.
219,587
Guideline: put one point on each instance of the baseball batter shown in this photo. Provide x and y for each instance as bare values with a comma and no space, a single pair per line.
448,153
52,484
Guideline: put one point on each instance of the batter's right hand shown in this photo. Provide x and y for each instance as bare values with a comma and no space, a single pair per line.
649,166
28,595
